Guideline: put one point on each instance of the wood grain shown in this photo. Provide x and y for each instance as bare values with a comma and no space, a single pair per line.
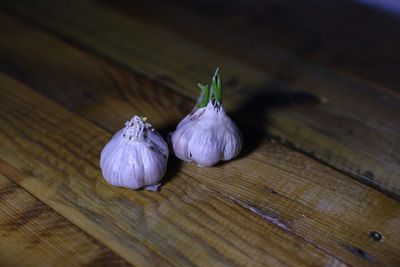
32,234
346,36
265,94
53,154
283,187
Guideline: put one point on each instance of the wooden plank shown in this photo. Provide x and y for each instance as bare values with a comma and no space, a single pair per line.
264,95
285,188
32,234
345,35
53,154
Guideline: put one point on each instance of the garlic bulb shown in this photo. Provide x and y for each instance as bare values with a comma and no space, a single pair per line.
207,135
135,157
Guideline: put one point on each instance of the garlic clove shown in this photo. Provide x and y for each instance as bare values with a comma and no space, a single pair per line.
205,147
135,157
156,142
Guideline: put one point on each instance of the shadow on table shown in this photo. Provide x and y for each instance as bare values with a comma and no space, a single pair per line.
174,164
258,107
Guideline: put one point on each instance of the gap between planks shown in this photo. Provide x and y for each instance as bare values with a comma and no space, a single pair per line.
44,238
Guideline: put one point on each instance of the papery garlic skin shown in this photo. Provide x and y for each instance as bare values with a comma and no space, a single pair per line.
135,157
207,136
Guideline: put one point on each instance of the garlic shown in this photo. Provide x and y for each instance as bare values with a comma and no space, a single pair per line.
135,157
207,135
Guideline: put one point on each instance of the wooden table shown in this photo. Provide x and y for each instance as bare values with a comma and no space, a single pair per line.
314,86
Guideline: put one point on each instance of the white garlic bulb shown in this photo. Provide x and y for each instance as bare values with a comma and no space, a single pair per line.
207,135
136,156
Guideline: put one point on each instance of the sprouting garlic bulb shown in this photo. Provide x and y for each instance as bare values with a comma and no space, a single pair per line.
136,156
207,135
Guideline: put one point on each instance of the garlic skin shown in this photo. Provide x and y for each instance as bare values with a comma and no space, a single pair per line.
207,136
135,157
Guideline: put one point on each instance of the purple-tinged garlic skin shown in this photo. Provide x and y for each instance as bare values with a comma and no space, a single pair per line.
136,156
207,136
